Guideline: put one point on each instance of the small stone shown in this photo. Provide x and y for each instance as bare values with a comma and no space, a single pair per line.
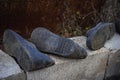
26,54
9,69
49,42
97,36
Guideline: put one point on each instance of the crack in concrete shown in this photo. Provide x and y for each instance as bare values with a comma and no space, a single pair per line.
106,66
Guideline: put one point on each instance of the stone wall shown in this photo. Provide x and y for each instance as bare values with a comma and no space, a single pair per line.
110,10
102,64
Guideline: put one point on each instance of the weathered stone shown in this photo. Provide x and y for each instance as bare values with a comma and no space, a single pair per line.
113,43
80,40
9,69
113,68
97,36
49,42
91,68
26,54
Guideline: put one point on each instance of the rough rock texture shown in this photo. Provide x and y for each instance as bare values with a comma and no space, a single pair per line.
97,36
113,69
49,42
9,69
26,54
81,40
91,68
113,43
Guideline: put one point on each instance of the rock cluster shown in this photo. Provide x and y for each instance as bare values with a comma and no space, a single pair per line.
26,54
94,67
74,60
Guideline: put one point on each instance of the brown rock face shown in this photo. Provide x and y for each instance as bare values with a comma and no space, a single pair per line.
66,17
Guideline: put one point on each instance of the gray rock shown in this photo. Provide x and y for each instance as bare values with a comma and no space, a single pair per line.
81,40
113,68
26,54
113,43
9,69
91,68
49,42
97,36
93,29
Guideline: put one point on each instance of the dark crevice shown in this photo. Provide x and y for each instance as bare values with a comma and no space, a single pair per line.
106,67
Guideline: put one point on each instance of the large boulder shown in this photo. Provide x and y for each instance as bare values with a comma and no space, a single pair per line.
91,68
9,69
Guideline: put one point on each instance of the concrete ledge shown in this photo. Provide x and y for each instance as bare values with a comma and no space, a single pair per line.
91,68
81,40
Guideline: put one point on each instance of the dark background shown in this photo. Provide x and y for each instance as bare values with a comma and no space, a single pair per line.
64,17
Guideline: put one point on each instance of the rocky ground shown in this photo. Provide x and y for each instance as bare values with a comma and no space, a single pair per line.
99,65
